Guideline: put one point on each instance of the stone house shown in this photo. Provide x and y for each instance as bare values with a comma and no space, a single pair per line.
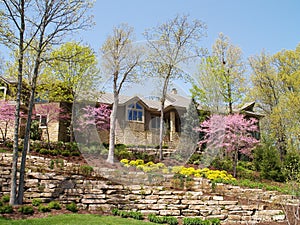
138,118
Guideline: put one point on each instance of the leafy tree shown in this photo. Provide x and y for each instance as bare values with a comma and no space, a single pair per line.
221,79
71,67
171,45
53,112
13,34
276,88
71,70
120,60
46,22
233,133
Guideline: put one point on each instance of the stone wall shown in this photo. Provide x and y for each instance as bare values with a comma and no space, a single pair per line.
65,182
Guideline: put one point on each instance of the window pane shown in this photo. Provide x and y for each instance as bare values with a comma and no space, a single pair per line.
134,115
129,114
131,106
140,116
138,106
43,121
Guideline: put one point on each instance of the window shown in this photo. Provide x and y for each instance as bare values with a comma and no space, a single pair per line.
4,90
135,112
42,120
155,122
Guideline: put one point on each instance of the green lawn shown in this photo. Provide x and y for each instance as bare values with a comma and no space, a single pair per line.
74,219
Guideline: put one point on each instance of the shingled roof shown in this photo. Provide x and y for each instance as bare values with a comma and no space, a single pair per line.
172,100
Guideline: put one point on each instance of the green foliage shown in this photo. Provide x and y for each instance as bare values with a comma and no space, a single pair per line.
128,214
44,208
267,161
291,166
198,221
163,219
36,201
5,198
195,159
86,170
222,164
72,207
54,205
27,210
35,130
6,209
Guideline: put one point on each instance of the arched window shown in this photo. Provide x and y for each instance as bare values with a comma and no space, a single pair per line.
135,112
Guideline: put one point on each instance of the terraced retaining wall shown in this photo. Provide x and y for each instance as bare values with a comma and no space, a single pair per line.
95,193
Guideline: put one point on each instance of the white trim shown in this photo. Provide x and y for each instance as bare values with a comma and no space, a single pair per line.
4,92
40,120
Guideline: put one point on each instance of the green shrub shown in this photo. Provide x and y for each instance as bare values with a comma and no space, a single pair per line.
86,170
54,205
44,208
5,198
65,153
75,153
44,151
136,215
36,201
72,207
9,144
267,161
115,211
291,165
162,219
27,210
6,209
195,159
54,152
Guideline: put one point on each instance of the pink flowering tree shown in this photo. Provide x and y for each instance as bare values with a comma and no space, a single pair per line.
7,117
90,117
232,133
53,113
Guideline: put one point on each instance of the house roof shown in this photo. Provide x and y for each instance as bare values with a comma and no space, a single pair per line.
172,100
8,80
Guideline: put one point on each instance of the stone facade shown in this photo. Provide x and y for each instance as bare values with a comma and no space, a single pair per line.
66,183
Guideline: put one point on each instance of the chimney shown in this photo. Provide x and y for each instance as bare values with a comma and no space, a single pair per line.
174,91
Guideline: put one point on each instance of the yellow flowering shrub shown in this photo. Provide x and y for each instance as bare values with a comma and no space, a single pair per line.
186,171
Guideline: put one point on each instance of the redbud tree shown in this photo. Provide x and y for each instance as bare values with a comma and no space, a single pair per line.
7,117
232,133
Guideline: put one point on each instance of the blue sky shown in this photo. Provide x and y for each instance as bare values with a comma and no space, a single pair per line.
253,25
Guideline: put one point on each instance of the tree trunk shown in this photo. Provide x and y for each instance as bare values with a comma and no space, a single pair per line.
13,188
161,130
112,131
28,125
235,161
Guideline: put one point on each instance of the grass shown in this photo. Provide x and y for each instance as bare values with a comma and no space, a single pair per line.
75,219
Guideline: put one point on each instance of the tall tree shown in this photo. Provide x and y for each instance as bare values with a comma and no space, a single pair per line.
276,88
221,80
120,60
70,68
13,34
172,44
46,22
